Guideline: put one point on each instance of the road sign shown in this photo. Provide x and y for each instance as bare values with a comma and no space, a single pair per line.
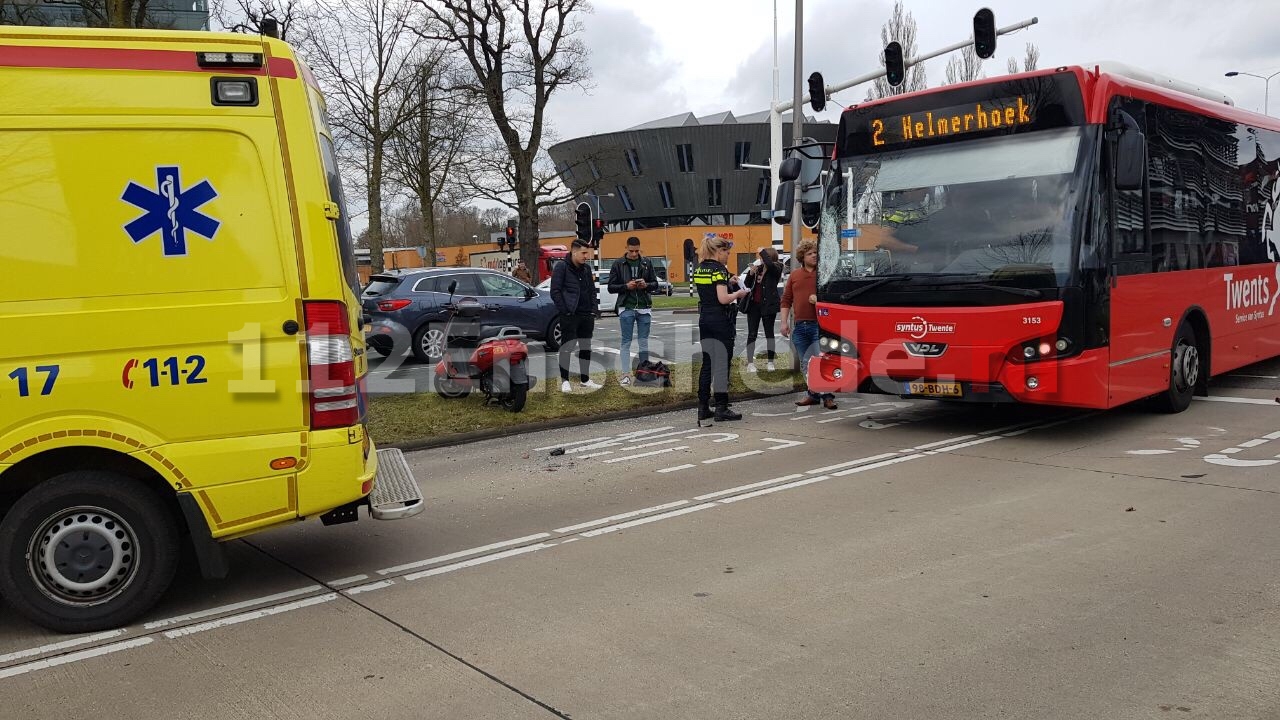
850,233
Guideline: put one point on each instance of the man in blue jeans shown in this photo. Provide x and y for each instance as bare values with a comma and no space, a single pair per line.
633,281
801,296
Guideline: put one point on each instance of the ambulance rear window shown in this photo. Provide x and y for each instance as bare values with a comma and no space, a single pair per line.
346,248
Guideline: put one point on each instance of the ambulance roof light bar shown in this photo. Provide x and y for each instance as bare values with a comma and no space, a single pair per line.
229,59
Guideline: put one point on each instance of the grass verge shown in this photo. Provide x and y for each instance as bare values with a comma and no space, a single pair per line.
675,302
425,416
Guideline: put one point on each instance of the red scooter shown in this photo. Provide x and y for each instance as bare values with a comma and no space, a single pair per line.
494,357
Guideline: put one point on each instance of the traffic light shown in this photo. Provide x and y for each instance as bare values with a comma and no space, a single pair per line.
895,70
511,238
817,93
984,33
582,222
597,233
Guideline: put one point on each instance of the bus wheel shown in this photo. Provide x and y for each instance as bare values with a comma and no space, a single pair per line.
1186,364
87,551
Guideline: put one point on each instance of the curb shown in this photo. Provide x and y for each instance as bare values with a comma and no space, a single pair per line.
558,423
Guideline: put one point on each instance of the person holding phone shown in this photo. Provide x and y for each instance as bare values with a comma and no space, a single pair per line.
801,295
633,281
718,295
762,303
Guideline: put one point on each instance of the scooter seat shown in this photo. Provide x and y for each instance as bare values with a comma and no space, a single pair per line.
493,331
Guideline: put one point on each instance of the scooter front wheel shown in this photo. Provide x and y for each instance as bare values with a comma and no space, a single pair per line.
451,389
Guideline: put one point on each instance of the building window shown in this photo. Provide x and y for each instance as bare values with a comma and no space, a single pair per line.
713,192
566,172
762,192
685,154
625,197
633,161
595,172
741,154
664,191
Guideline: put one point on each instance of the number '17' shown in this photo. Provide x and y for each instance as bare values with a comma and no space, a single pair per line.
24,389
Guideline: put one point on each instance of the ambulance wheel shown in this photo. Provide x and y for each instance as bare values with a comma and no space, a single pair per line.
428,343
1186,363
87,551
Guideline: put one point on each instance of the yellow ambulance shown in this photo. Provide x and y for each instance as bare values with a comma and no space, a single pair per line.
181,349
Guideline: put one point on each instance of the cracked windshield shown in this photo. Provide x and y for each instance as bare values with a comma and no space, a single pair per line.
985,210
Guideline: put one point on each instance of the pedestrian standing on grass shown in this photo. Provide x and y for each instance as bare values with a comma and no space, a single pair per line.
633,281
718,295
762,304
801,296
573,290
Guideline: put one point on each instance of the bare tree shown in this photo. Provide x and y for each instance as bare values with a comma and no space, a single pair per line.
900,28
91,13
1029,61
965,67
521,53
247,16
426,152
1032,58
361,52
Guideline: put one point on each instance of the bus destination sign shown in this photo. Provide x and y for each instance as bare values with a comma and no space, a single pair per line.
953,121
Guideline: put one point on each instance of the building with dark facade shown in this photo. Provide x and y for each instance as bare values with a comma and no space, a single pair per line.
679,171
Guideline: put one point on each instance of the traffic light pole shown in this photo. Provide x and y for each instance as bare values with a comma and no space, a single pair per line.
775,113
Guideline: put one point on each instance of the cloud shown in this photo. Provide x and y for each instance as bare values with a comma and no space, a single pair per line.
632,81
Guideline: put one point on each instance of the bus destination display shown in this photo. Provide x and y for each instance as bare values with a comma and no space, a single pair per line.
956,120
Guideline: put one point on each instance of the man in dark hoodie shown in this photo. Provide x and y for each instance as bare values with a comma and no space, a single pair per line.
573,290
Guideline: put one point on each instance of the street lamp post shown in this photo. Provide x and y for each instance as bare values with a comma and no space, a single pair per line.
1266,101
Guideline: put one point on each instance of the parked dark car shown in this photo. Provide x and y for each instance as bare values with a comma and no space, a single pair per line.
407,306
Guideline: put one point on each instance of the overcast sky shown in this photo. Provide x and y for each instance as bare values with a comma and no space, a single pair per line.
657,58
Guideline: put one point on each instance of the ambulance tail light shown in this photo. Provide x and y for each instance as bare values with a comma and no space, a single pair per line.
334,396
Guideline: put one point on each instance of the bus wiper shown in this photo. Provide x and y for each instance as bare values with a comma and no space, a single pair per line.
1024,292
882,280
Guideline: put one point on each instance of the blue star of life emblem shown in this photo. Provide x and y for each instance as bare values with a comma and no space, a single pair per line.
172,211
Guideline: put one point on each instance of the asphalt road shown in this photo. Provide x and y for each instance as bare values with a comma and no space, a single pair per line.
890,559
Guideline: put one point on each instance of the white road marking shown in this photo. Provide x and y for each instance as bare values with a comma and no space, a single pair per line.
232,607
246,617
1258,377
623,516
477,561
859,461
744,488
948,441
736,456
644,521
651,453
1243,400
463,553
369,587
74,657
54,647
571,443
676,468
347,581
782,444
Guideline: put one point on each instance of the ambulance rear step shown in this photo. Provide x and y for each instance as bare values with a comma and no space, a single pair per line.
395,493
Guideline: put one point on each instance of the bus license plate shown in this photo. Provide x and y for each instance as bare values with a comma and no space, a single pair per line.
934,389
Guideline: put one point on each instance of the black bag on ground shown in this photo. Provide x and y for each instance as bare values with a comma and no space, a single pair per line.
653,373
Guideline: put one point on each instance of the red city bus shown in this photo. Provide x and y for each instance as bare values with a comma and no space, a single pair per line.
1081,237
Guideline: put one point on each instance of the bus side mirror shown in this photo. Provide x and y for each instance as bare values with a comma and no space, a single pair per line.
789,169
785,202
1131,159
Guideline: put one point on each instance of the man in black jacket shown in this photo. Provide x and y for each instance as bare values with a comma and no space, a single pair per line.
573,290
633,281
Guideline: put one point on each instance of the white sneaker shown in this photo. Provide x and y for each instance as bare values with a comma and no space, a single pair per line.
771,366
751,367
591,385
625,380
566,387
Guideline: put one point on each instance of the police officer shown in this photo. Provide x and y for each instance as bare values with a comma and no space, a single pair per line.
718,295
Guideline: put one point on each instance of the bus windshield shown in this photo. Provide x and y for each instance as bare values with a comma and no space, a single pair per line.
990,211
